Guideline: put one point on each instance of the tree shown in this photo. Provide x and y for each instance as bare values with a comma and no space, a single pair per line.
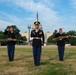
16,30
2,36
24,38
49,40
55,32
72,32
72,40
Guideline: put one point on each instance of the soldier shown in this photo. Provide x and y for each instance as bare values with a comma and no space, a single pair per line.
10,42
60,38
38,40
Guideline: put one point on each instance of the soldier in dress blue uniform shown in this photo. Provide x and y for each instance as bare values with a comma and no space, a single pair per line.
11,43
38,40
61,44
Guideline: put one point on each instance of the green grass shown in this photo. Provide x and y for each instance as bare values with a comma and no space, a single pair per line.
50,65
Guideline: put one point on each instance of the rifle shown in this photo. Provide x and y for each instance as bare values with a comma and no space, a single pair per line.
63,37
10,39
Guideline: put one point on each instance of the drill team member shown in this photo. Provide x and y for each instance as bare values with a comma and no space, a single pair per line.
61,43
10,42
37,34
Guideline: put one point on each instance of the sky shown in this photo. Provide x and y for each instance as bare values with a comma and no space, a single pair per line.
53,14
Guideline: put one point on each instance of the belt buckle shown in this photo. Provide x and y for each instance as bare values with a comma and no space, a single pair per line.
37,38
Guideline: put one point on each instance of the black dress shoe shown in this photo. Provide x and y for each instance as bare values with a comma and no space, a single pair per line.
37,64
60,59
10,60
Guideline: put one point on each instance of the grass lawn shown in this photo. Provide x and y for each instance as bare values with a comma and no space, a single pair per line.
50,65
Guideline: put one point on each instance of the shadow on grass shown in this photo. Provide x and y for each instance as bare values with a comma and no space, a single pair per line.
45,63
